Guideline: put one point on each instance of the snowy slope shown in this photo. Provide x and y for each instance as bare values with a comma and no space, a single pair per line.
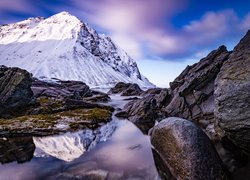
70,146
63,47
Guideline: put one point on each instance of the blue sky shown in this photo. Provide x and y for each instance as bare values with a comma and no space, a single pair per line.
163,36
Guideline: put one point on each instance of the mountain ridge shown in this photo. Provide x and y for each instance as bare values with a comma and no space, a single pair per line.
64,47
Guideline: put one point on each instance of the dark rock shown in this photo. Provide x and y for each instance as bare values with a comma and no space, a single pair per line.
15,91
232,95
98,98
61,89
184,151
142,112
132,90
193,90
126,89
130,99
119,87
74,104
151,91
16,149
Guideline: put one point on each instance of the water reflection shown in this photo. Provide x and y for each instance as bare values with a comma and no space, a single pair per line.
124,155
16,149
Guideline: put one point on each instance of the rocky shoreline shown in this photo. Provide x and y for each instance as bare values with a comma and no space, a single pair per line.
199,127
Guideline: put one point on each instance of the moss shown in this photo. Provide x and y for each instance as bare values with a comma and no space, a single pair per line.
50,103
97,114
74,126
76,119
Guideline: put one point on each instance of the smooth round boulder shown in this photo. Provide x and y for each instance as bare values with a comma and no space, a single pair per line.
184,151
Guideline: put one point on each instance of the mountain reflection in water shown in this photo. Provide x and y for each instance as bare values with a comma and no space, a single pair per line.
118,150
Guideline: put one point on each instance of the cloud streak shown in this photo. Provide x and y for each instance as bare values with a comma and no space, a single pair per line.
145,28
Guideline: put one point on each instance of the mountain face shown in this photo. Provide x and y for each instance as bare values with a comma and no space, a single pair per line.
63,47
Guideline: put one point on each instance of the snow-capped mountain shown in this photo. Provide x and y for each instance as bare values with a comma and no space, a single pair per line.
70,146
63,47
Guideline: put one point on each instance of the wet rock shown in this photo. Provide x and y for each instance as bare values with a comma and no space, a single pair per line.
145,111
119,87
126,89
142,112
15,91
74,104
98,98
16,149
151,91
61,89
132,90
232,95
184,151
193,90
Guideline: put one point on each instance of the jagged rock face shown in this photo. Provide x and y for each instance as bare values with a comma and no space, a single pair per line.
65,48
232,95
184,151
193,89
15,91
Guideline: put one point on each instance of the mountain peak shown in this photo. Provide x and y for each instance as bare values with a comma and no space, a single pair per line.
65,48
64,15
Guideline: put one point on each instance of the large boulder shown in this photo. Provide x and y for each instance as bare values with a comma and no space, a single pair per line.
184,151
193,90
15,91
232,95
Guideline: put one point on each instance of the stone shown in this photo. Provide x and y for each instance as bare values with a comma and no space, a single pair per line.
119,87
126,89
132,90
232,95
151,91
184,151
193,90
15,91
142,112
61,89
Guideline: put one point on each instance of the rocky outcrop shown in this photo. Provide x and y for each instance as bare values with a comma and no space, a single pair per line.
132,90
184,151
151,91
126,89
29,106
61,89
143,112
193,90
15,91
232,95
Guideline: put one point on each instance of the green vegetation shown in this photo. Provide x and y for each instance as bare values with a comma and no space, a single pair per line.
76,119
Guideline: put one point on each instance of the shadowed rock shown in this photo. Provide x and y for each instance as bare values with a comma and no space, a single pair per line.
184,151
193,90
126,89
15,91
16,149
232,92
